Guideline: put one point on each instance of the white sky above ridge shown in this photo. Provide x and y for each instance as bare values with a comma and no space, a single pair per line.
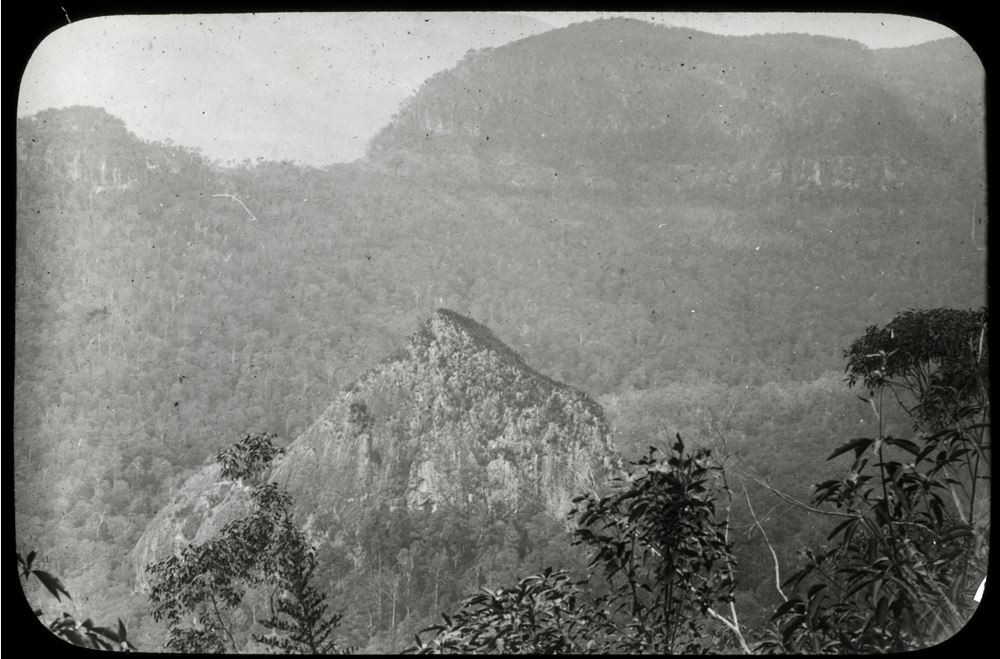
316,87
874,30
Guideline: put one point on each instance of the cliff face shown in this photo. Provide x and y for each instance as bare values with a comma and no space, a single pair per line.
73,154
455,417
198,511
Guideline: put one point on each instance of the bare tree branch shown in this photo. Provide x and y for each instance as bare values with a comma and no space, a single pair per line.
237,200
733,625
792,500
774,554
222,623
735,628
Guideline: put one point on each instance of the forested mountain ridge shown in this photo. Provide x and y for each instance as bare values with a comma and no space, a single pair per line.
71,155
157,322
943,76
675,109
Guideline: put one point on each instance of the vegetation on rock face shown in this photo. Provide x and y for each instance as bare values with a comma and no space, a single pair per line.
453,430
249,459
657,547
898,574
709,296
209,582
458,416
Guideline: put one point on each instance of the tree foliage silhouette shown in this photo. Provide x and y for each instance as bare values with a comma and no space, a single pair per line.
263,548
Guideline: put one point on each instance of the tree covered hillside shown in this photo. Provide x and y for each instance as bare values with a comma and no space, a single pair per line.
690,267
686,111
450,465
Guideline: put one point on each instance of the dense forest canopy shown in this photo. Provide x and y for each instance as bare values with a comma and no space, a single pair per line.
689,228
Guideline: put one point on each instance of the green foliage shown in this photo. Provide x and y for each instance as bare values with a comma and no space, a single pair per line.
299,618
249,458
149,322
938,357
542,614
661,555
261,549
663,101
897,573
902,565
197,640
662,548
84,634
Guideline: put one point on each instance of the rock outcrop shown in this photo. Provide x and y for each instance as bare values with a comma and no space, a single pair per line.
455,417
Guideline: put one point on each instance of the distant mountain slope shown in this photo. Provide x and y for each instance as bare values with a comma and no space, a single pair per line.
943,82
454,419
70,155
946,74
616,98
156,322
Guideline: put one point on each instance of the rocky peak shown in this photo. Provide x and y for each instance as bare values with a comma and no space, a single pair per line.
454,418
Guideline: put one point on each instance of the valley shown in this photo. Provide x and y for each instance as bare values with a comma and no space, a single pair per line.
646,231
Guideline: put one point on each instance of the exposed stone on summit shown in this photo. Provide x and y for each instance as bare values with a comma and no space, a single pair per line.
455,417
457,414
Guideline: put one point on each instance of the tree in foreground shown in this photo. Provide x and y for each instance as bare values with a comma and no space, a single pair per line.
84,634
545,613
912,546
299,619
658,550
207,582
900,568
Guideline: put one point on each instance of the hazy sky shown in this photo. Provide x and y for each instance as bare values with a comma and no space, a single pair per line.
873,30
316,87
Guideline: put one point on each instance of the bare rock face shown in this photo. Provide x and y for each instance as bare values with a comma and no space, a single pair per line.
198,511
455,417
457,414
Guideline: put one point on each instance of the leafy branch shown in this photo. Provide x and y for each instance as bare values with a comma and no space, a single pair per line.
262,548
84,634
